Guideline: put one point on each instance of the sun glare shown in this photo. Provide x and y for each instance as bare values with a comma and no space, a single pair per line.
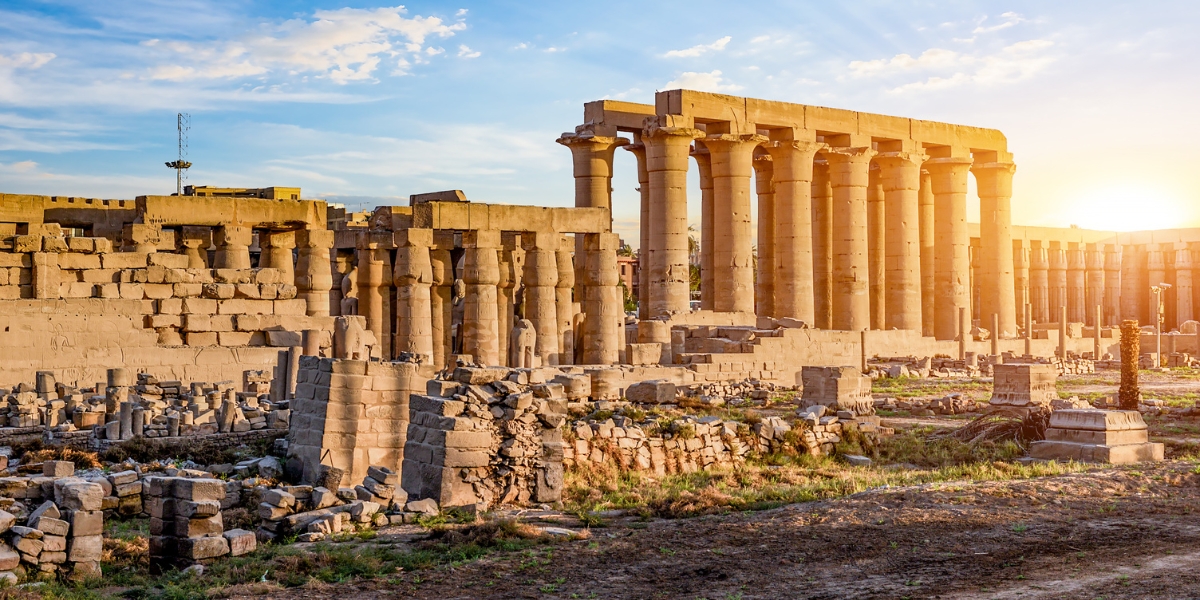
1128,208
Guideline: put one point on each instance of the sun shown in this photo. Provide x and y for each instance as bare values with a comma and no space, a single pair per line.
1129,207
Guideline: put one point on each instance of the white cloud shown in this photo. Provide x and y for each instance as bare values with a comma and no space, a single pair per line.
554,49
344,45
521,46
466,52
948,68
704,82
1009,19
695,51
462,12
760,39
26,60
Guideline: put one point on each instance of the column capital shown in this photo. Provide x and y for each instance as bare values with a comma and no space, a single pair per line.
585,139
993,167
654,132
315,238
947,164
849,154
898,159
801,146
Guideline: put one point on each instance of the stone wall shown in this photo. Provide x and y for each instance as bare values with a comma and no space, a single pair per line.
351,414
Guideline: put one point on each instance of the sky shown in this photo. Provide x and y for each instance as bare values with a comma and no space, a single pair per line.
365,103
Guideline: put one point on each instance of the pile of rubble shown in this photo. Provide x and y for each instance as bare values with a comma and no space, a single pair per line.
732,393
142,405
486,436
63,535
186,524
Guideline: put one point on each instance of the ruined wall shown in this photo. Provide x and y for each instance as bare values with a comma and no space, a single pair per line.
351,414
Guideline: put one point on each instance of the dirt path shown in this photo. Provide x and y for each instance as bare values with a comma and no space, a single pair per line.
1117,533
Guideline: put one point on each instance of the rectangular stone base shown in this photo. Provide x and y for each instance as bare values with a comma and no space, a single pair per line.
1119,437
1099,453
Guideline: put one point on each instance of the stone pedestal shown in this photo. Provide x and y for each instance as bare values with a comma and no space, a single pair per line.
1106,436
839,388
1025,386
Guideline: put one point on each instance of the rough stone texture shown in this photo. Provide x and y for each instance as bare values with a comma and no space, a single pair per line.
1024,384
1106,436
842,388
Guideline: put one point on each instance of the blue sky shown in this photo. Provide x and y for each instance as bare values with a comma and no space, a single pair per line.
365,103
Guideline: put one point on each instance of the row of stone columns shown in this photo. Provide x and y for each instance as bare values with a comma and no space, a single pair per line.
1080,277
840,245
423,280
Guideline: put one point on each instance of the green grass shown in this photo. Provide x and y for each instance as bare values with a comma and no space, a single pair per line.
910,387
771,481
283,566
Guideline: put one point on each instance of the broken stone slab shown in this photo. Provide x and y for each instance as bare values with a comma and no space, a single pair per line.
657,391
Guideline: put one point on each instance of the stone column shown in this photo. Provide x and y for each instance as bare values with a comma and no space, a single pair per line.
1156,274
928,279
822,227
1076,285
603,315
373,283
793,176
563,299
1039,281
314,273
848,174
195,242
1021,277
667,151
733,251
540,277
1112,285
1094,261
1183,284
481,273
643,255
764,285
1133,283
704,166
413,275
277,247
504,293
876,248
994,182
900,174
1058,279
233,247
592,159
952,262
440,307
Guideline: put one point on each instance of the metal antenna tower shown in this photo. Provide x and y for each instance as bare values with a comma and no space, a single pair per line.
183,122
